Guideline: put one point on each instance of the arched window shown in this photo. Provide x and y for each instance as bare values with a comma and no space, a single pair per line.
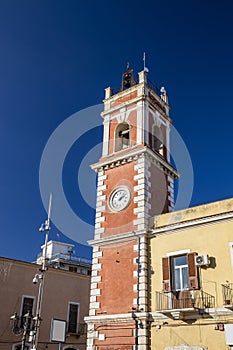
70,347
157,140
122,137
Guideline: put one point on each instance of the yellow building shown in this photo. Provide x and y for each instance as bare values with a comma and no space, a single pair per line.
191,278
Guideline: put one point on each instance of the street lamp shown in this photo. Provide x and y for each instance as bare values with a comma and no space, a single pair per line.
45,227
27,325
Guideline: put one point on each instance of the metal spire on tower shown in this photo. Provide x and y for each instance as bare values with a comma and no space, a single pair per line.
144,63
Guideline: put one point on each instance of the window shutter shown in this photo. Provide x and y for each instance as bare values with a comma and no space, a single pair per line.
193,271
166,274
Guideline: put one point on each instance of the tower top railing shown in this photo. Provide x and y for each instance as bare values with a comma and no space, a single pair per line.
149,83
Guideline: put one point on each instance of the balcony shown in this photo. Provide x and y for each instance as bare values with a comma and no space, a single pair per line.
72,329
183,304
227,293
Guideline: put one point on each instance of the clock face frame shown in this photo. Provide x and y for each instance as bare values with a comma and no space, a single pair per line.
119,199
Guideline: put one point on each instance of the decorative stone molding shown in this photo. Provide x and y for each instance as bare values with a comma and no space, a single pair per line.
171,228
119,238
134,155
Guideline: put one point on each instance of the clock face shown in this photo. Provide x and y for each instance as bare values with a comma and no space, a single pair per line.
119,198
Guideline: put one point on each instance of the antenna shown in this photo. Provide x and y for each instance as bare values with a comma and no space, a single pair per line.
50,207
46,225
144,63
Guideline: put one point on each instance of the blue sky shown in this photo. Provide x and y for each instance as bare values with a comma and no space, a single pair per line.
56,59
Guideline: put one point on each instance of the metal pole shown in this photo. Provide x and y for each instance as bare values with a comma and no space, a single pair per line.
25,329
38,313
45,227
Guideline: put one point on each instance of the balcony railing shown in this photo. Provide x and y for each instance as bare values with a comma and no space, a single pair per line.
227,292
82,329
67,258
183,300
149,83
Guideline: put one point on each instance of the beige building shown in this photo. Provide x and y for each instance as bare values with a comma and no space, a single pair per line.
191,278
65,297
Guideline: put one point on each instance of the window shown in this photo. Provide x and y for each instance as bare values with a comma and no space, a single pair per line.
122,137
180,272
157,140
179,267
73,315
72,269
26,307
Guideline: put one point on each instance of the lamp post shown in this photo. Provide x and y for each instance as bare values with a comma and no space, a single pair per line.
22,325
45,227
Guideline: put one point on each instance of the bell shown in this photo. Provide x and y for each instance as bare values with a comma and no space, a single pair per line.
127,79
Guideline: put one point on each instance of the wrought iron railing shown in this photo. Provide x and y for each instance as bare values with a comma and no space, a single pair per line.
149,83
183,300
82,329
153,87
227,293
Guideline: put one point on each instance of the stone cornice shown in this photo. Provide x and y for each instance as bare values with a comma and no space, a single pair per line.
116,318
145,92
210,313
171,228
162,164
156,316
133,155
118,238
121,105
122,93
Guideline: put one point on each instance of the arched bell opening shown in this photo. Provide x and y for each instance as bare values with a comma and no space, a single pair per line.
122,137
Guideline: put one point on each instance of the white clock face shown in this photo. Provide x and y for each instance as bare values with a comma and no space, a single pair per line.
119,198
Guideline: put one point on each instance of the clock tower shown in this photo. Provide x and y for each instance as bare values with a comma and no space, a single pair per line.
135,183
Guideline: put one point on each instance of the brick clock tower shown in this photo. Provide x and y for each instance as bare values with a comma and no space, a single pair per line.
135,182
